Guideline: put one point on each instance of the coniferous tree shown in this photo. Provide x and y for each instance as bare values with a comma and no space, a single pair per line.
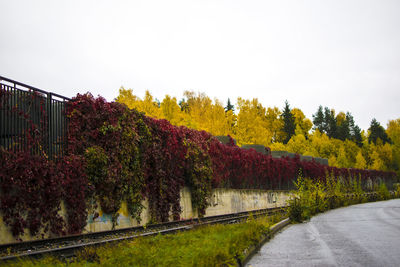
229,106
355,131
343,128
377,131
356,136
319,120
289,126
326,122
330,122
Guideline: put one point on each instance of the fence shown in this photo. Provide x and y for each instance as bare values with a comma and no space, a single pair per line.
32,119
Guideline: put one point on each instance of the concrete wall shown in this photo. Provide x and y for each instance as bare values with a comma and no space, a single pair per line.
279,154
223,201
224,139
259,148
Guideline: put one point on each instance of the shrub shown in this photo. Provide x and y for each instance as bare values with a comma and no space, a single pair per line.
383,192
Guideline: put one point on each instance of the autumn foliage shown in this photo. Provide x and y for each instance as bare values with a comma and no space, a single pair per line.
118,154
335,136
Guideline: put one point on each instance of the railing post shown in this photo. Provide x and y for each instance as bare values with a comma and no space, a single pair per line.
65,128
49,124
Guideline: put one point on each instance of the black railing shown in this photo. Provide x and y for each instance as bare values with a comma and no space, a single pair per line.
32,119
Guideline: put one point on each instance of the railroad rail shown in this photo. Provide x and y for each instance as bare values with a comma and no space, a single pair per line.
66,247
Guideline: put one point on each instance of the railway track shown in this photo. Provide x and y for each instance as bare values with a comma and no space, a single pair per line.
66,247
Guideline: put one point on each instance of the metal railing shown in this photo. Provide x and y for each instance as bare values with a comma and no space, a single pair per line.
32,119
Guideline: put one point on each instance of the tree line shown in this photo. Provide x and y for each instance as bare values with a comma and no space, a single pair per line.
328,135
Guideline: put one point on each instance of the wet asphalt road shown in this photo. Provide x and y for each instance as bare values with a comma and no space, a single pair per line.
360,235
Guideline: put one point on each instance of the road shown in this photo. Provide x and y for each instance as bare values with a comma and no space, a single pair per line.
360,235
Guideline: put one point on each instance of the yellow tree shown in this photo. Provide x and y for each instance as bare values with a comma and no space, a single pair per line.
360,161
127,97
298,144
386,154
351,150
274,124
231,120
346,154
206,115
303,125
381,156
342,160
198,107
215,119
148,105
251,125
332,161
377,162
393,131
171,111
340,118
322,146
366,149
278,146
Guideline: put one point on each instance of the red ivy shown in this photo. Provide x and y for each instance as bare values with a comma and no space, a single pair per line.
144,157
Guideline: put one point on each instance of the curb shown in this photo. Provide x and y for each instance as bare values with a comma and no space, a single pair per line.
249,253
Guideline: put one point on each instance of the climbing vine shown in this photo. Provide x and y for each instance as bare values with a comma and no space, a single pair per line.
30,194
30,190
164,170
115,154
76,192
105,135
198,176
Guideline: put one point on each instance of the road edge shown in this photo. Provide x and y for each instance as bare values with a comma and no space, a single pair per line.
249,252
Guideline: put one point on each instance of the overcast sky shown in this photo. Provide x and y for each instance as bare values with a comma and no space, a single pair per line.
340,54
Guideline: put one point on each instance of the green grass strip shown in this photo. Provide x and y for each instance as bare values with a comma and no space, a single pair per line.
213,245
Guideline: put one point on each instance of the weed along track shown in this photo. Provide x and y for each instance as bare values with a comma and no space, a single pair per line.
66,247
232,239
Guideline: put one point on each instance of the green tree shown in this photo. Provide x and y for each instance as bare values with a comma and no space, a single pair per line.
289,126
377,131
229,106
343,127
330,122
319,120
355,131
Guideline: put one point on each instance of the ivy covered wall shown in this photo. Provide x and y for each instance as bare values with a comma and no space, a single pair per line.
117,154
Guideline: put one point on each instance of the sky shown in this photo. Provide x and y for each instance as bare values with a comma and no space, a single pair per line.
343,54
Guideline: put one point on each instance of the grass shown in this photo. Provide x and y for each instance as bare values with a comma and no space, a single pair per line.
216,245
